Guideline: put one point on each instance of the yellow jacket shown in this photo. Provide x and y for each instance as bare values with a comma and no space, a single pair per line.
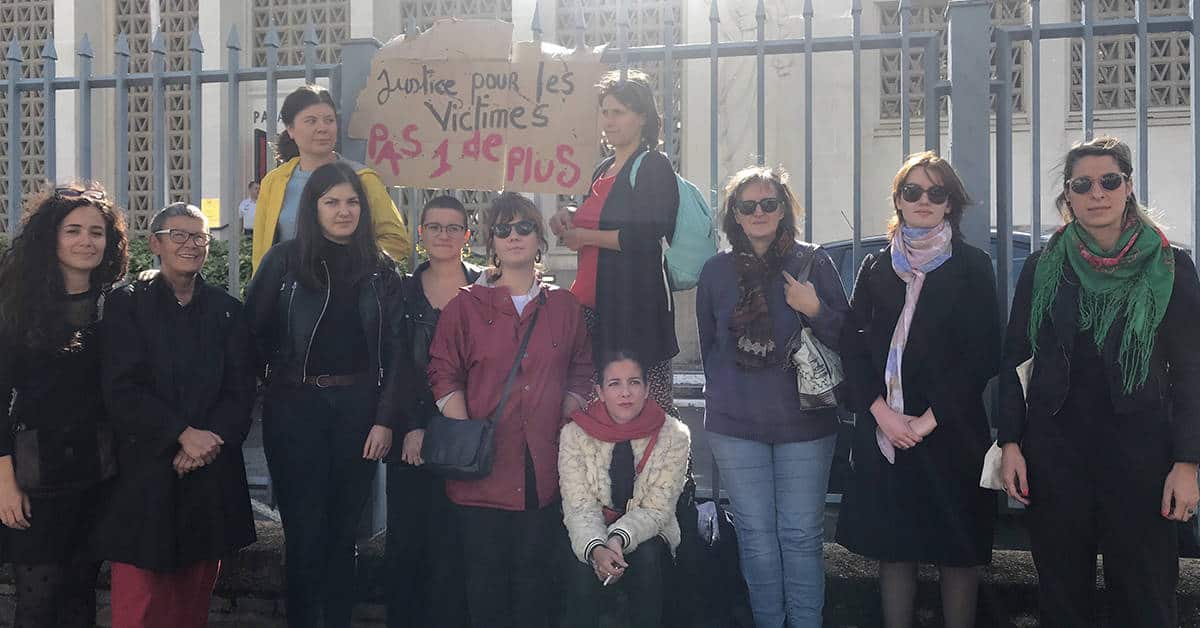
390,230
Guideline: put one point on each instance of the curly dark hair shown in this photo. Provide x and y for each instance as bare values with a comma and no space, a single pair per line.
31,285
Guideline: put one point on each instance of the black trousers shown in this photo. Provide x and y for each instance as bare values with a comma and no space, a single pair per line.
423,553
1096,485
313,439
642,584
55,595
507,554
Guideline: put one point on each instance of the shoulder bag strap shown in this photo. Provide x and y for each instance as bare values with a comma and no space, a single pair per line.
633,170
512,373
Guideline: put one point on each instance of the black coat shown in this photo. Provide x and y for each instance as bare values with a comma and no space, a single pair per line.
1172,390
165,368
633,296
284,315
928,506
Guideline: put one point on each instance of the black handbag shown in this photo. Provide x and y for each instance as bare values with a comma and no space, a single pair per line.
465,449
54,461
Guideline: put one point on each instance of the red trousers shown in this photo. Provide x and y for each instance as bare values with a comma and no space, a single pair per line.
149,599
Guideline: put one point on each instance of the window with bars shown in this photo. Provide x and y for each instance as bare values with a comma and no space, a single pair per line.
426,12
179,18
930,15
30,22
1116,61
649,21
330,19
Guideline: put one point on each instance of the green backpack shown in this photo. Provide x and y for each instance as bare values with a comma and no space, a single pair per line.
695,237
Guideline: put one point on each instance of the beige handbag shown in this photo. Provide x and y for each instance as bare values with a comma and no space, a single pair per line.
991,478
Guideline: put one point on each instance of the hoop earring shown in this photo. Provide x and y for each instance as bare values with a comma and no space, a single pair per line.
537,259
495,261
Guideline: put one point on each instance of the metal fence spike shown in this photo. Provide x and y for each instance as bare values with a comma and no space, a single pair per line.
84,49
808,9
856,7
272,39
580,23
158,44
906,6
310,35
48,51
536,23
713,14
235,41
14,51
195,44
760,12
122,45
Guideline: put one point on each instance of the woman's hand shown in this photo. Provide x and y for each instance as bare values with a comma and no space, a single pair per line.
201,444
410,450
185,464
1180,492
562,220
607,564
924,424
1012,470
575,239
379,443
895,426
15,510
801,297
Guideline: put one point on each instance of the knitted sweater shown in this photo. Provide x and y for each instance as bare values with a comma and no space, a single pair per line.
583,480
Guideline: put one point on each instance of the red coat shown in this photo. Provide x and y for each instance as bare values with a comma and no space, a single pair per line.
473,349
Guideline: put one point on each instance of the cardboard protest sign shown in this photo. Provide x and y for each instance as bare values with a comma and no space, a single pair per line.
460,106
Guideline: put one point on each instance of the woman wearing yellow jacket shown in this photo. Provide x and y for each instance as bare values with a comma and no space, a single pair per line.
312,127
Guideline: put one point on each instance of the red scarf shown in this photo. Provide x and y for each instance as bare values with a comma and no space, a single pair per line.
594,420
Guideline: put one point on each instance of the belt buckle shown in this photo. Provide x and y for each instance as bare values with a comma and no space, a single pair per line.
320,381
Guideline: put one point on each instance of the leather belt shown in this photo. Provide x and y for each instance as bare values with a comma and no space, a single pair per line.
333,381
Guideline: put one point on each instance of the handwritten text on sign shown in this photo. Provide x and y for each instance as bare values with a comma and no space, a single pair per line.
526,126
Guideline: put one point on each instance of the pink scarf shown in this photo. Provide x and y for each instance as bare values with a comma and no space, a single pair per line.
915,252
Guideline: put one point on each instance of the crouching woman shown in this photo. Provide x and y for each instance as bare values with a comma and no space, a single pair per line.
622,462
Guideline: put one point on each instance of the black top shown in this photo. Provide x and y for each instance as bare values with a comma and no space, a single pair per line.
633,298
621,474
54,388
339,346
1057,383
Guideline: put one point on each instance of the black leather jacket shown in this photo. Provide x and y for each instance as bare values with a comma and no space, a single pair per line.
285,314
419,323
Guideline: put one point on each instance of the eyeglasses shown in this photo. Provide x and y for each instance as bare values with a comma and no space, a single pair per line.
912,192
435,228
179,236
769,205
1110,182
504,229
88,193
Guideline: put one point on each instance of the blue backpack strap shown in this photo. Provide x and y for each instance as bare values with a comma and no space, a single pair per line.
637,163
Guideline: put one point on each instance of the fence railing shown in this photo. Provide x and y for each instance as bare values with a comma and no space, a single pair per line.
969,88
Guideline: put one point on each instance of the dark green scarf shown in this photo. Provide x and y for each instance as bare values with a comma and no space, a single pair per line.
1133,281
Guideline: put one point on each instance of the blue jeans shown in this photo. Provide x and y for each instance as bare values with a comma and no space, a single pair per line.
777,497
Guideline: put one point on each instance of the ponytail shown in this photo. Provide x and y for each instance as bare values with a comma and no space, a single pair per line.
286,148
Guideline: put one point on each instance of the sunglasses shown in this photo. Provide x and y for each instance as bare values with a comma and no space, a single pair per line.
504,229
912,192
179,236
1110,182
90,194
769,205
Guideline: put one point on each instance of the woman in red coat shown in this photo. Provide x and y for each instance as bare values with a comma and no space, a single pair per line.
507,520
